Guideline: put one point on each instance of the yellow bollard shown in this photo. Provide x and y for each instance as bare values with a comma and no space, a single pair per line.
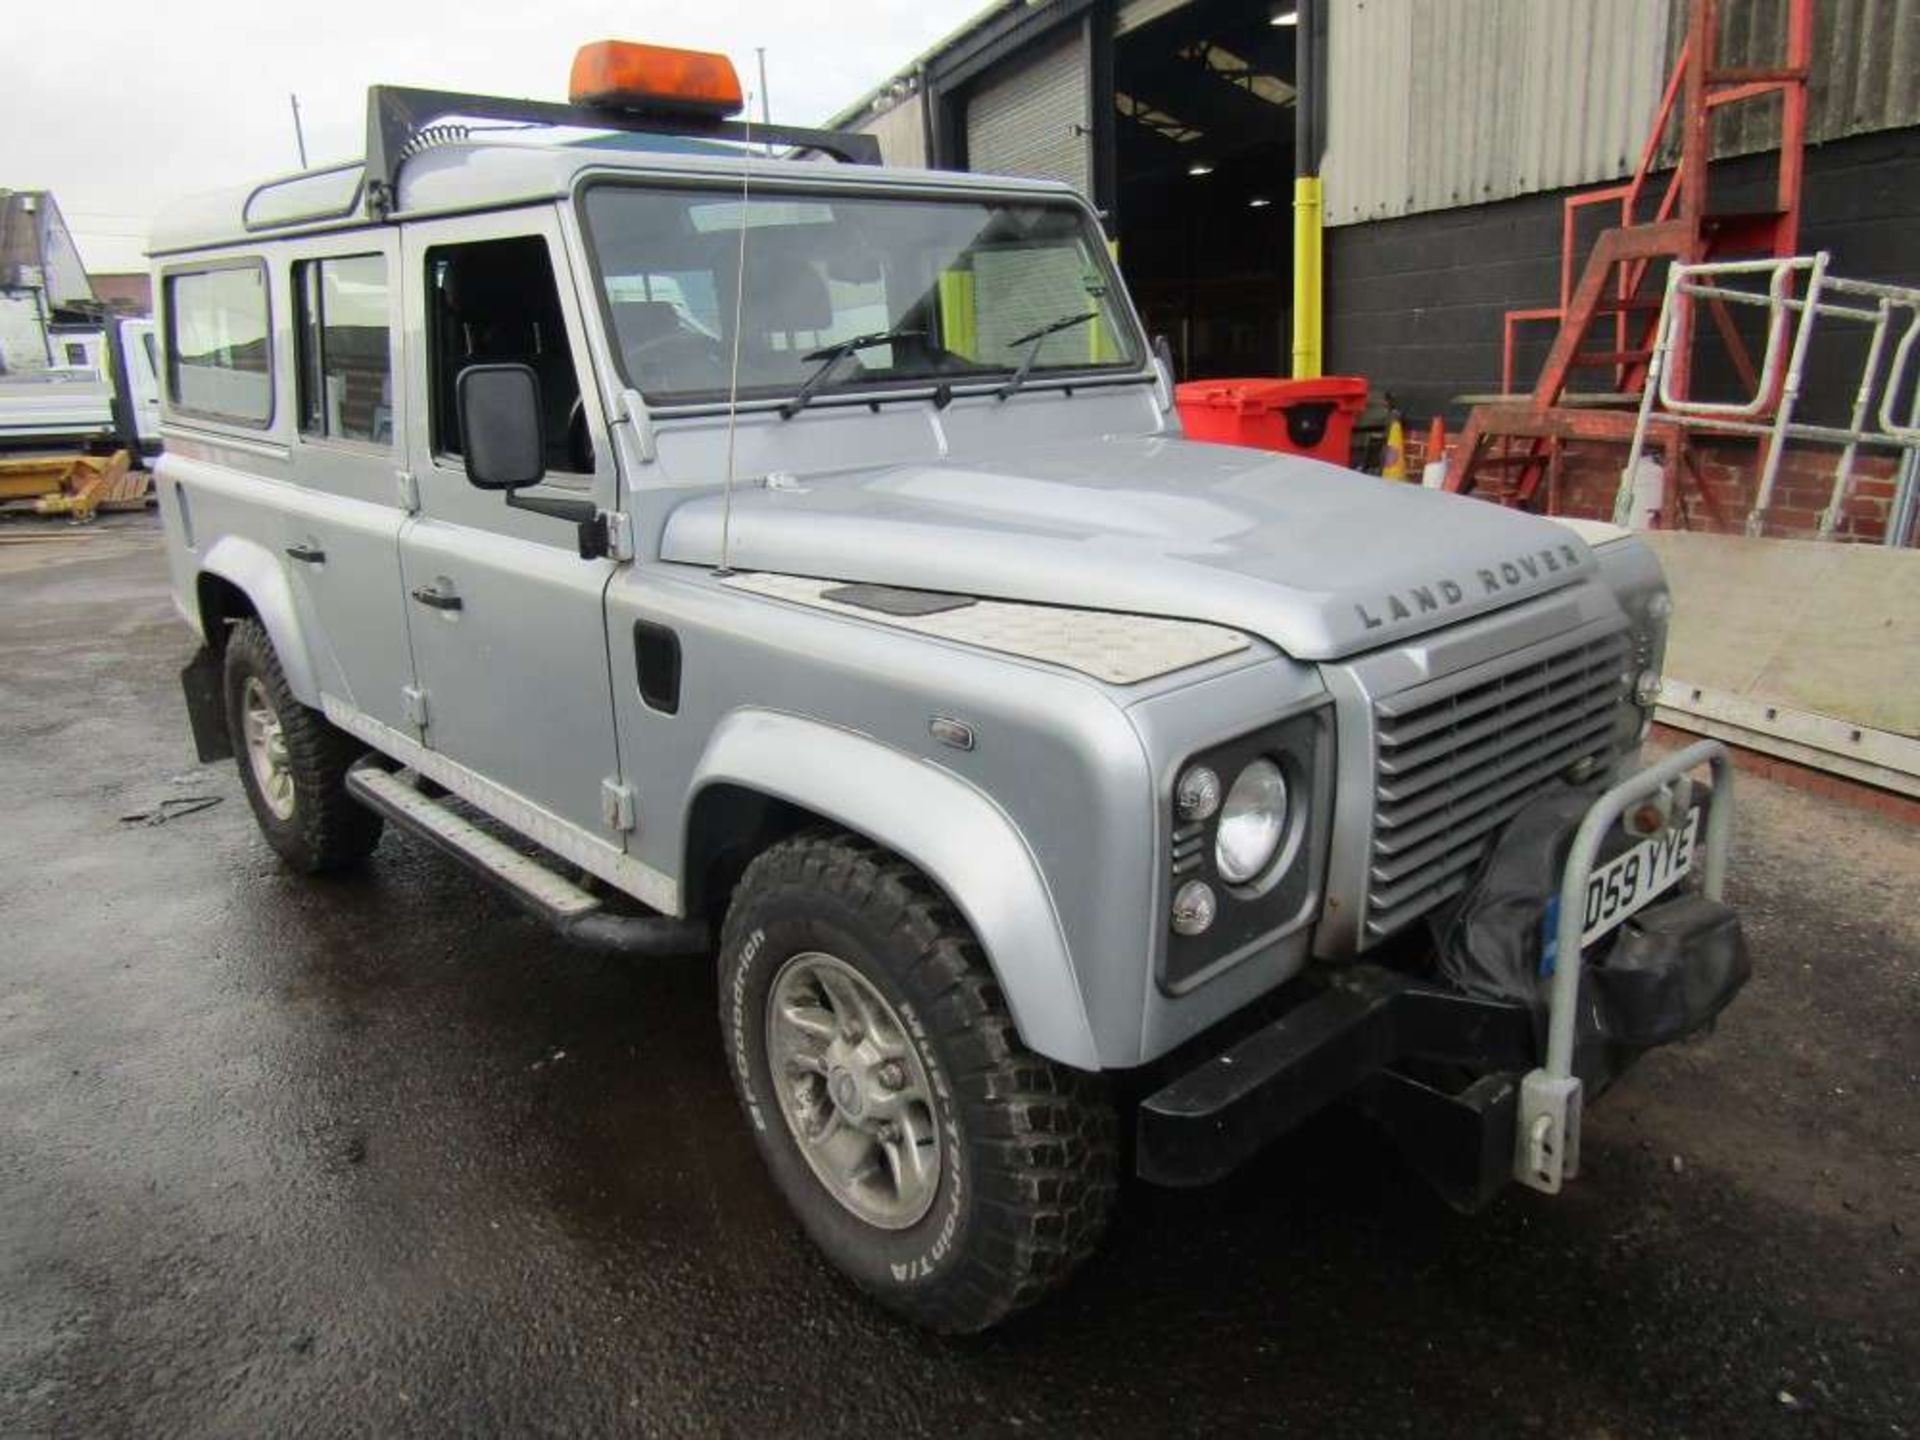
1307,221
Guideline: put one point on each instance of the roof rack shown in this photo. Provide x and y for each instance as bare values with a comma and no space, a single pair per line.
397,115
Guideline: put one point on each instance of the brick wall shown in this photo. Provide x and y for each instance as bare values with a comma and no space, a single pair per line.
1416,304
1729,470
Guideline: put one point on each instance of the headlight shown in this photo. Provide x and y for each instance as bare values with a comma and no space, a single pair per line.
1243,870
1253,821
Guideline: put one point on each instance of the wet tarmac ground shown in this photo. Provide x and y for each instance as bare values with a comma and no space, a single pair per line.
376,1156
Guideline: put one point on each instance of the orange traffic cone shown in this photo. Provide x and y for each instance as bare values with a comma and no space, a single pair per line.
1433,470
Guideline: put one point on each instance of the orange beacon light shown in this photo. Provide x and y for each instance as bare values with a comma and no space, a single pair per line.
624,75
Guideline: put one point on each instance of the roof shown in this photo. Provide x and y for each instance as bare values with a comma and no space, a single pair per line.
899,82
483,175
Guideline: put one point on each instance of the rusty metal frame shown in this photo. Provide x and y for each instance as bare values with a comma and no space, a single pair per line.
1612,278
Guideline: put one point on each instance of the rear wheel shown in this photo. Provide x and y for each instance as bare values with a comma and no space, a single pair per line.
293,764
946,1169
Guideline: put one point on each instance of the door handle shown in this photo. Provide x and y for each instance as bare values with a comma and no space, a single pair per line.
435,599
307,554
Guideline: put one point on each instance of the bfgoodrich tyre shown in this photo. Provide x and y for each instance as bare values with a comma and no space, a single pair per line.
947,1170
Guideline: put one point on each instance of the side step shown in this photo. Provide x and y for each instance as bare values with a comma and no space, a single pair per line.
571,911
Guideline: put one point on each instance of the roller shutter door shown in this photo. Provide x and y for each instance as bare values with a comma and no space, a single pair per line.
1033,122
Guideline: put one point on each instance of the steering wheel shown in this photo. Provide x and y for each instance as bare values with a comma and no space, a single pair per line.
677,358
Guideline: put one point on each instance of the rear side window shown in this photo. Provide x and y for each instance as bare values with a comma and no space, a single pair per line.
219,350
343,332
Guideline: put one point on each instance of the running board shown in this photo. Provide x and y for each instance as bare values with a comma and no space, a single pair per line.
563,905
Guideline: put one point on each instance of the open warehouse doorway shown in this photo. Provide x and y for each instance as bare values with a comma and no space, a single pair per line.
1203,101
1176,118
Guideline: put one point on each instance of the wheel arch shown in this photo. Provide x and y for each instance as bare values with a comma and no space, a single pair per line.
765,775
240,578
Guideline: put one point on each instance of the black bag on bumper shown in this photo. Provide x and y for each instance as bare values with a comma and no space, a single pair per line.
1664,974
1673,967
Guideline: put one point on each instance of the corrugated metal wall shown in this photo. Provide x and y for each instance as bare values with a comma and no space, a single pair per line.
901,130
1435,103
1866,67
1035,121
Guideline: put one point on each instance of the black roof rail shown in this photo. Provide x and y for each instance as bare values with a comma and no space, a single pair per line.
397,115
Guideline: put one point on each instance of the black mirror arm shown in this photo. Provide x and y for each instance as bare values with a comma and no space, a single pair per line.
578,511
583,513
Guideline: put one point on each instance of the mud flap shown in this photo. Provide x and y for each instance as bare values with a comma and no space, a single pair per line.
206,707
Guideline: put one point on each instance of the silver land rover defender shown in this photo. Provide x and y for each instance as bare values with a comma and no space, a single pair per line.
801,558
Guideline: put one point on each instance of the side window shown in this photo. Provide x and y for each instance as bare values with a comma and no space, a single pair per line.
219,348
341,329
495,302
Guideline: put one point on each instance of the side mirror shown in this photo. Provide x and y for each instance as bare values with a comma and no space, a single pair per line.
502,432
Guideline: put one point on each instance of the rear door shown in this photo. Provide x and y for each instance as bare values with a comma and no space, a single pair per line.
341,522
507,624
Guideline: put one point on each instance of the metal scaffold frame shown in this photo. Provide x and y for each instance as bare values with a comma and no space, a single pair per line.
1606,316
1798,290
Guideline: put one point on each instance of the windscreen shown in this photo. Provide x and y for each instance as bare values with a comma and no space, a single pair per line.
961,285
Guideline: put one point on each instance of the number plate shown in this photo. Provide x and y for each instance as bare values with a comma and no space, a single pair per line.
1632,880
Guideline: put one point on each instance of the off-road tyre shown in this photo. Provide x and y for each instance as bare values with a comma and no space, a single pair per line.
1029,1158
327,829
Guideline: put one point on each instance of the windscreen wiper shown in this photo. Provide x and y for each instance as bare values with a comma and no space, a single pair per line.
1034,337
830,356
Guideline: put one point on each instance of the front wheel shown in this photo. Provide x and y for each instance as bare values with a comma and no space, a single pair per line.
946,1169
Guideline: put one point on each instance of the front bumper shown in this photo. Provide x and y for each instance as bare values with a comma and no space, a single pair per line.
1389,1042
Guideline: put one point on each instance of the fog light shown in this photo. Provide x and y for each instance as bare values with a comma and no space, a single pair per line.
1646,689
1198,794
1194,907
1660,606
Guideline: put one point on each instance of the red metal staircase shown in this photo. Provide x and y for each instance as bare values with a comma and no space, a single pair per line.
1513,446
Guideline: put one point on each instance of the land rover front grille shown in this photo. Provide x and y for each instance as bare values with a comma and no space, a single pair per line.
1457,758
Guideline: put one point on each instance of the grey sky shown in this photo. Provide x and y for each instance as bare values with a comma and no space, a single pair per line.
118,106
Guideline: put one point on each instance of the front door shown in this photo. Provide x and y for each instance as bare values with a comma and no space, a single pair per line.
509,640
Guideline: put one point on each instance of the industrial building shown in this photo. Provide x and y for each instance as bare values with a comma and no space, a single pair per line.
1452,131
49,314
1481,202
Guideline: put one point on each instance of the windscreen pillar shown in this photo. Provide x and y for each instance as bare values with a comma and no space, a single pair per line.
1308,210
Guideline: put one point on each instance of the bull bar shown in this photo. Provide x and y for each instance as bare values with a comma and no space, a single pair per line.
1547,1138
